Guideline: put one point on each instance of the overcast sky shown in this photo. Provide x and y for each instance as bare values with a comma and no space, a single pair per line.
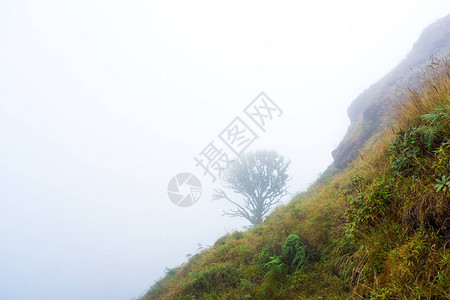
102,102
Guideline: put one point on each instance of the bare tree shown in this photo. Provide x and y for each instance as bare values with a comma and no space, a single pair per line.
260,177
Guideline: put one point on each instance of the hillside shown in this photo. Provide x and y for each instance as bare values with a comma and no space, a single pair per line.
368,111
379,228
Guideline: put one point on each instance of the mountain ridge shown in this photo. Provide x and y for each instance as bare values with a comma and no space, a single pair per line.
367,111
375,225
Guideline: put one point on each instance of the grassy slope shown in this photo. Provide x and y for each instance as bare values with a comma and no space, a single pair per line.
377,229
368,110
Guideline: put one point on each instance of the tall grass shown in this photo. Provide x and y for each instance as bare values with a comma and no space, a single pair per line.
432,91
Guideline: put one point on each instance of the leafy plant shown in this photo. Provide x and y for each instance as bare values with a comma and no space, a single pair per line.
419,141
443,184
439,115
295,254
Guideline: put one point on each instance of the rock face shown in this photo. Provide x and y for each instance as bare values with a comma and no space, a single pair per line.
367,111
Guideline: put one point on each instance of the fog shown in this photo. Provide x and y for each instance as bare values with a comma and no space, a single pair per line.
103,102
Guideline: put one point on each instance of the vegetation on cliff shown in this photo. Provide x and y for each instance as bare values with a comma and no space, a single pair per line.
379,229
375,225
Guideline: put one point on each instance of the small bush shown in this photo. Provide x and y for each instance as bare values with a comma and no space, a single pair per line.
420,141
295,255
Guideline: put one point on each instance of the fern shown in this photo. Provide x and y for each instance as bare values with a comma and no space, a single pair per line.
295,254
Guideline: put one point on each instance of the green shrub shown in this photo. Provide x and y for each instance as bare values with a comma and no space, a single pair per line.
419,141
295,255
443,184
368,202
